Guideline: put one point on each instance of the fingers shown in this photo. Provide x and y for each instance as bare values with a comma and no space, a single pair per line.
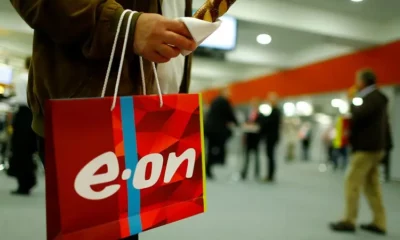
178,27
160,39
157,58
179,36
168,51
179,41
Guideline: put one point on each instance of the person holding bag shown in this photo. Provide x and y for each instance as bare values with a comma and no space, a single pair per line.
73,41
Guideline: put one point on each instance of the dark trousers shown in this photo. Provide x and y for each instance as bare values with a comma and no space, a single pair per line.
41,150
3,151
330,150
216,152
306,148
251,146
340,153
271,146
23,146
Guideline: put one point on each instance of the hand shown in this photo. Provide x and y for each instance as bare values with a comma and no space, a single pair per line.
159,39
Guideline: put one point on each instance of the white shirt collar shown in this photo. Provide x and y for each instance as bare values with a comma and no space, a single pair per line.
363,93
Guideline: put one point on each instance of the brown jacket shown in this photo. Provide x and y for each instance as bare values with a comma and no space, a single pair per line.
369,123
72,45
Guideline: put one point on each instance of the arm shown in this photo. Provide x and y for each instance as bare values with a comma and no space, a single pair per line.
91,24
278,118
231,115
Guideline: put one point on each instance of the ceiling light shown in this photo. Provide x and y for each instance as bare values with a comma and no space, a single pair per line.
342,105
265,109
289,109
357,0
304,108
357,101
264,39
336,103
323,119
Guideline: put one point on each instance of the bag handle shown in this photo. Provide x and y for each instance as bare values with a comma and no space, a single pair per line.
103,92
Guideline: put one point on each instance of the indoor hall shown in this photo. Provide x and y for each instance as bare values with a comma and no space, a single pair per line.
300,57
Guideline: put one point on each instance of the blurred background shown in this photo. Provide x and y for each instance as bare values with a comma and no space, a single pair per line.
307,52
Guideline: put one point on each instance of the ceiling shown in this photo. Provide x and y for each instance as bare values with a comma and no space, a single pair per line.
303,31
367,10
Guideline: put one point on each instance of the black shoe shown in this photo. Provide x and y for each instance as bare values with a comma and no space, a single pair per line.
342,227
20,193
373,228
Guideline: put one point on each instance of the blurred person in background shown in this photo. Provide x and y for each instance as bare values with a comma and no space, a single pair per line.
7,133
73,42
219,120
290,132
23,139
270,131
368,137
305,138
251,137
341,143
328,139
3,140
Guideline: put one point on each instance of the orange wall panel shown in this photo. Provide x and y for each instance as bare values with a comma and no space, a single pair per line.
326,76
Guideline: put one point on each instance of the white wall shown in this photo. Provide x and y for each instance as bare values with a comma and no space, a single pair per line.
391,31
319,53
395,171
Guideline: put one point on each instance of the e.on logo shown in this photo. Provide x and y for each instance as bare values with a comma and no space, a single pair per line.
87,177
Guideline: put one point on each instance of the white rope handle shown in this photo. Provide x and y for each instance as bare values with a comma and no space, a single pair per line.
156,79
122,61
103,92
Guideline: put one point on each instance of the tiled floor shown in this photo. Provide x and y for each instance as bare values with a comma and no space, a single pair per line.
297,207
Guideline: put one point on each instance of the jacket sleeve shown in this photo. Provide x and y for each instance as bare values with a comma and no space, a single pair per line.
232,114
228,109
91,24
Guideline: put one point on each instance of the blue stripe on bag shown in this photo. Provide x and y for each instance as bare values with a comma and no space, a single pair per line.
131,160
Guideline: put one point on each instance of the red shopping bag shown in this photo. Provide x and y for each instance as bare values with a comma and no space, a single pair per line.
112,174
115,173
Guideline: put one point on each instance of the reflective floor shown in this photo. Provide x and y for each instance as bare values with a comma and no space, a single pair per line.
298,207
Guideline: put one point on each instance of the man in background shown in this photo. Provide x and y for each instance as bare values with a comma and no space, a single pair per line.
252,137
305,139
23,140
290,128
218,123
368,136
270,131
